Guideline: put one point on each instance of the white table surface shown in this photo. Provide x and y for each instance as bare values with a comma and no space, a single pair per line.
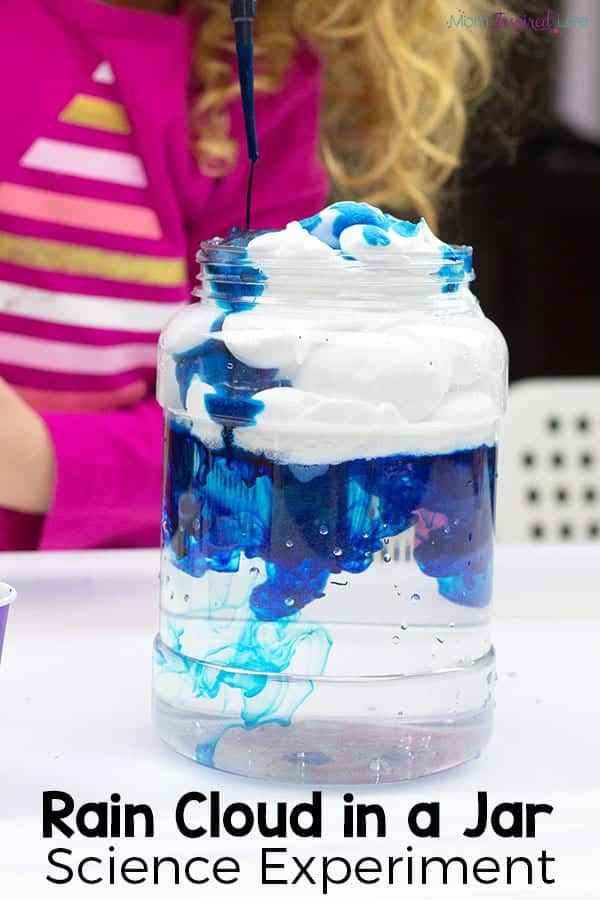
74,716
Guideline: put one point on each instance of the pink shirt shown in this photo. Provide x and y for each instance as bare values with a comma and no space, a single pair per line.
102,207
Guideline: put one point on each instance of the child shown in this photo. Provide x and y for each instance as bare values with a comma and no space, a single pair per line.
112,169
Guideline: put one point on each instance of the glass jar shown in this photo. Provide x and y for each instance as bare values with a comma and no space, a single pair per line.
330,467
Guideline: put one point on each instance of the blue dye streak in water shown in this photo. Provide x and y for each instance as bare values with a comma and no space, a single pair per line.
255,506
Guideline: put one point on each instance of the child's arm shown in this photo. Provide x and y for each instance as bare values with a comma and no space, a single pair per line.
107,478
79,479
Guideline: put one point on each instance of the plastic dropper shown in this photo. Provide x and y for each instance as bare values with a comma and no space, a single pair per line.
243,14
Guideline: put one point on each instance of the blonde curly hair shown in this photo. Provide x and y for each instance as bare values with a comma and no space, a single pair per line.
399,78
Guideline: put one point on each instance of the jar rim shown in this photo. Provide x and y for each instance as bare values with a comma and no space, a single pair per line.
224,262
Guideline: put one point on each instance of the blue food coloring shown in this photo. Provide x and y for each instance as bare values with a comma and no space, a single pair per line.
375,236
257,507
329,225
402,226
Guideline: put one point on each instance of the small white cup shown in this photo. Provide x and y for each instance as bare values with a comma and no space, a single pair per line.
7,595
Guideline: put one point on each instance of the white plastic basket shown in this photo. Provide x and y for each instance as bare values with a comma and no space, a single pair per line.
549,462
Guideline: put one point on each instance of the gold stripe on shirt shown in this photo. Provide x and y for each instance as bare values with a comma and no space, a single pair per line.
95,112
91,262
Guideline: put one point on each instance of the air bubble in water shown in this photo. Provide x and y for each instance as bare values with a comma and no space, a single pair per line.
414,598
366,535
323,530
337,551
289,544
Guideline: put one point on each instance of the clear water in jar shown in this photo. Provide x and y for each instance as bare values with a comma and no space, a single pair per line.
325,623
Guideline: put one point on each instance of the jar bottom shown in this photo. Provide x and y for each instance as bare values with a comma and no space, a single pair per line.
332,750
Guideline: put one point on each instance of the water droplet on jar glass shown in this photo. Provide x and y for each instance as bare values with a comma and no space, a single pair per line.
403,627
414,598
451,625
439,639
386,541
337,551
172,595
323,530
289,544
186,598
396,639
254,571
167,579
365,535
379,766
230,366
289,601
387,557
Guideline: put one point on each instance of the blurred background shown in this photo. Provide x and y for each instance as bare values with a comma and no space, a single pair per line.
528,196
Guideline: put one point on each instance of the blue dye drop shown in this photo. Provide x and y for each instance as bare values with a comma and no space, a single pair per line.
402,227
351,213
311,223
375,236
